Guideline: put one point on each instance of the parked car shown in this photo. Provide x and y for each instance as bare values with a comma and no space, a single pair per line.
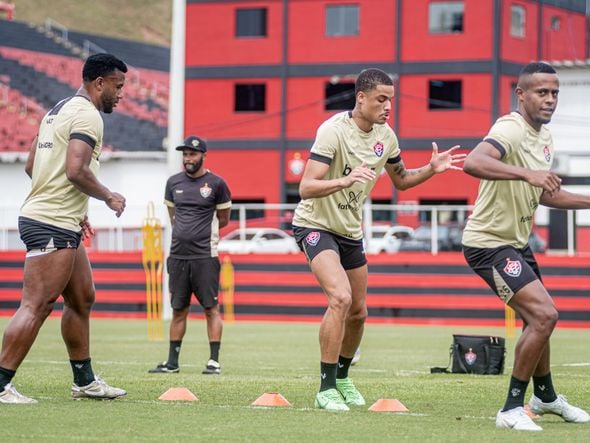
386,238
258,241
448,236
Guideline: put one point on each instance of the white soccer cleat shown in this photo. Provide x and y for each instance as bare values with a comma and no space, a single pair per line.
11,396
212,367
560,407
357,356
97,389
516,419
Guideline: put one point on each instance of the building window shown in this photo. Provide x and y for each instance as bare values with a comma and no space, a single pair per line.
250,98
555,23
444,94
251,22
339,96
342,20
445,17
517,21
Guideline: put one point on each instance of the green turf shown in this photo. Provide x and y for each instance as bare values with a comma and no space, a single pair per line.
278,357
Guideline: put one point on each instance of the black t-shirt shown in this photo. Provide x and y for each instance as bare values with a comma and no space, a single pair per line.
195,232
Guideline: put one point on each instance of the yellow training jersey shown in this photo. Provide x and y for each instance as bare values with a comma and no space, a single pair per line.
341,144
504,209
53,198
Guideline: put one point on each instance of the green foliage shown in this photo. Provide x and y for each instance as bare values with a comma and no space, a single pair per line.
278,357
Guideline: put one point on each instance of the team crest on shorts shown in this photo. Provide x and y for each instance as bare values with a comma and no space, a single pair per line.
547,153
378,148
470,357
312,238
513,268
205,191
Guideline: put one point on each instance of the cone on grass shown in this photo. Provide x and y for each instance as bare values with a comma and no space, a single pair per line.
388,405
178,394
530,413
273,399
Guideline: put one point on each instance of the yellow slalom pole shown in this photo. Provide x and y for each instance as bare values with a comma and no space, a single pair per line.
152,257
227,289
510,321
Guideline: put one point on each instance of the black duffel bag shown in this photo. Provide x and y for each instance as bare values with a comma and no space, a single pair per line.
476,354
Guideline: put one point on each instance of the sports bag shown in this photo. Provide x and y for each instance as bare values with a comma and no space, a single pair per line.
475,354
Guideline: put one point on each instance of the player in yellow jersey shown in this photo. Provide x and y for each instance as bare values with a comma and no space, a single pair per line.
514,162
350,151
62,163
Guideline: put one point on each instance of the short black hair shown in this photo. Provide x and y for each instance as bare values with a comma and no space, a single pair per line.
370,78
537,68
101,65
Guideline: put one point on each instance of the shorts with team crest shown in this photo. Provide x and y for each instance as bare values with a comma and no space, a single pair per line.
314,241
505,269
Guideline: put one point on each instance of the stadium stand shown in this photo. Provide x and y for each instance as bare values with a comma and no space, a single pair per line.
39,69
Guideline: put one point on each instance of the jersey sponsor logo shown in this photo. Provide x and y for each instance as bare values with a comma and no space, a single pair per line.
378,148
45,145
353,202
179,191
513,268
470,357
313,238
347,170
547,154
205,190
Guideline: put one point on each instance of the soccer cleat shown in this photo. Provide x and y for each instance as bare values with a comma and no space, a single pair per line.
97,389
11,396
212,367
560,407
356,357
163,368
516,419
349,392
330,400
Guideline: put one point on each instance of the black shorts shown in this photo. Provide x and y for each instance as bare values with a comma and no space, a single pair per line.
505,269
198,276
41,238
314,241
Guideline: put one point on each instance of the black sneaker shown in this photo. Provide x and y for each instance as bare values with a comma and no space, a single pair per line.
164,368
212,367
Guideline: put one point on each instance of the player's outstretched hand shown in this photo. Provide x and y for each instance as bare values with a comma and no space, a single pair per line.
360,174
442,161
116,202
549,181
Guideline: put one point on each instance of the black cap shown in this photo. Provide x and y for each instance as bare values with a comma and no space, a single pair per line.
193,142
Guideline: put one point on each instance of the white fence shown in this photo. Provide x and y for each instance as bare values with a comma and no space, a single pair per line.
124,234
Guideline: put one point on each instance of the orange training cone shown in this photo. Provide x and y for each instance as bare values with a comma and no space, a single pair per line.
178,394
388,405
530,413
271,399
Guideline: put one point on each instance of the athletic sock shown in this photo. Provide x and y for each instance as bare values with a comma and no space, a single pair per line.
343,366
6,376
516,392
544,390
83,374
328,376
173,353
214,350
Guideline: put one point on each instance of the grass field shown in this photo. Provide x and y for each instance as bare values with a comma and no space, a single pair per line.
279,357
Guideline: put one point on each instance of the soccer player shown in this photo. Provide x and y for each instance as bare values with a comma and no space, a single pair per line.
198,204
350,151
514,162
63,163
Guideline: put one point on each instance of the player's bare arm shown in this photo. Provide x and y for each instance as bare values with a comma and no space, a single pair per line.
403,178
313,184
171,214
87,229
563,199
484,162
223,217
31,157
79,173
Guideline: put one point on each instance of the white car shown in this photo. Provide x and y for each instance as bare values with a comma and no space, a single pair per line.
386,238
258,241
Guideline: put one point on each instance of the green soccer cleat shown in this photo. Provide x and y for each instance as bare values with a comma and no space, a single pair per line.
349,392
330,400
